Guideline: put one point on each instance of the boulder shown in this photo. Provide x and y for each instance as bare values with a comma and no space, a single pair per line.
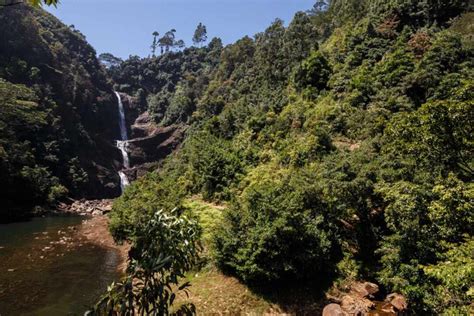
398,301
355,305
365,289
333,310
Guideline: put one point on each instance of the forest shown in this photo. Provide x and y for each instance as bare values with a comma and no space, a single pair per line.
337,148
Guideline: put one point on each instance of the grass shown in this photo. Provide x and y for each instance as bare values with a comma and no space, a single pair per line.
209,215
216,294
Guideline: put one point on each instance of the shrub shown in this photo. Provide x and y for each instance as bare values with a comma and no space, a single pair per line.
276,231
163,250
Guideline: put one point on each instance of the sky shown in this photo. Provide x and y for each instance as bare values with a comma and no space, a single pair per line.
125,27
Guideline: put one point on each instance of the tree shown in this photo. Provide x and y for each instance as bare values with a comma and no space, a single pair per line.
167,41
180,44
313,74
32,2
109,60
200,34
319,7
155,43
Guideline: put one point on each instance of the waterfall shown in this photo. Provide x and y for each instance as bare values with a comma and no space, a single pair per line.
123,180
122,144
123,125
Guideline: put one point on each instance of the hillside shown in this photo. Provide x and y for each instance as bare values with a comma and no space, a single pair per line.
57,117
326,160
342,145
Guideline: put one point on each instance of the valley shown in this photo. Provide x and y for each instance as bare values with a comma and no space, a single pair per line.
320,166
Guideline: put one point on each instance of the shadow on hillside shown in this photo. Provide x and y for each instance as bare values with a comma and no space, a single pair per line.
297,298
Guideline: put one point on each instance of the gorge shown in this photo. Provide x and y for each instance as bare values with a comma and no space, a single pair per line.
320,166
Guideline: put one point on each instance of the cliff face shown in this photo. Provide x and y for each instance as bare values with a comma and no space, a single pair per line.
148,143
67,85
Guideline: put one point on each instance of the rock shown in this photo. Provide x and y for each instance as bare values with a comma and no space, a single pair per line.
355,305
157,146
365,289
333,310
144,126
97,212
398,301
388,308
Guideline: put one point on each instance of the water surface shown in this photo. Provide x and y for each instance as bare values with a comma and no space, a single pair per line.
46,269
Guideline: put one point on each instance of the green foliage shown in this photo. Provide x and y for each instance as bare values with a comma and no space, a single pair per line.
165,248
55,106
313,74
200,34
40,2
341,143
453,279
20,119
210,217
214,165
141,199
277,230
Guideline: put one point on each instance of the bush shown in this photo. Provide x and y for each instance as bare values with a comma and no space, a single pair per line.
277,230
163,250
141,199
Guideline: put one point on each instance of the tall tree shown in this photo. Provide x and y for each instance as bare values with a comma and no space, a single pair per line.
180,44
200,34
154,45
109,60
167,41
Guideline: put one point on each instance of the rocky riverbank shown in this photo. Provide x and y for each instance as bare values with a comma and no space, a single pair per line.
95,229
86,207
361,298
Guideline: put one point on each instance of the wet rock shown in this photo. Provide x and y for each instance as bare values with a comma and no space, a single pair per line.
333,310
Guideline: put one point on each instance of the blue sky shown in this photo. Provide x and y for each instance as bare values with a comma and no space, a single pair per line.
124,27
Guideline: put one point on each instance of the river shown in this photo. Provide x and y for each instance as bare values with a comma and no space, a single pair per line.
47,269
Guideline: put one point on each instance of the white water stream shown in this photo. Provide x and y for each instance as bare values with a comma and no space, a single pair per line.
122,144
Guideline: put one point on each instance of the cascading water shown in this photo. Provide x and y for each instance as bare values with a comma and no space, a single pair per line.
122,144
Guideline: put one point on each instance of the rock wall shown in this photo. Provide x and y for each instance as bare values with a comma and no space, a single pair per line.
149,143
